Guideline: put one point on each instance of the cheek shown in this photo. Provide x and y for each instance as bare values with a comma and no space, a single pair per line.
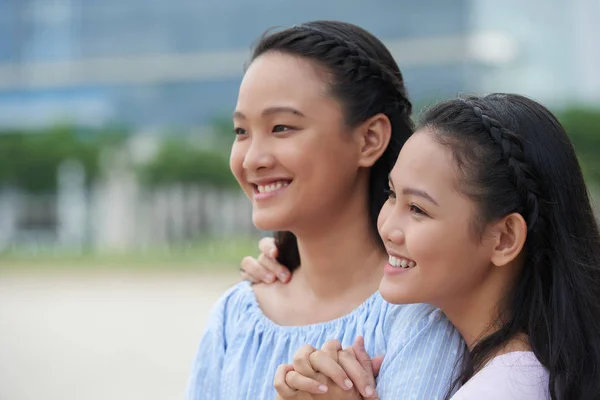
320,163
434,243
425,242
447,257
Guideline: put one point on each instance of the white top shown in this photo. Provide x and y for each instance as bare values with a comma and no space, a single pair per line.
511,376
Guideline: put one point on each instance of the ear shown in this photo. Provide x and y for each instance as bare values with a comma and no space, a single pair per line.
373,138
509,235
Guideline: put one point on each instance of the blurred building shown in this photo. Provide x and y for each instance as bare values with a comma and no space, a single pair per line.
179,63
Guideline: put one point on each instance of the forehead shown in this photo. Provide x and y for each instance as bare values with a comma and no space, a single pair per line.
425,162
278,77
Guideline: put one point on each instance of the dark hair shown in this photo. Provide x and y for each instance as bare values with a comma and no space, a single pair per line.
365,79
514,156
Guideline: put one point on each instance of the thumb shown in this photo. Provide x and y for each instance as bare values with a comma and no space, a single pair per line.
376,364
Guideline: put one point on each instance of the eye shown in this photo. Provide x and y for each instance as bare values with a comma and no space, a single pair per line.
239,131
281,128
390,194
416,210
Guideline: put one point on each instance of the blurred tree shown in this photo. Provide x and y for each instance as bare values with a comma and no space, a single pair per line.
583,127
222,131
178,161
30,159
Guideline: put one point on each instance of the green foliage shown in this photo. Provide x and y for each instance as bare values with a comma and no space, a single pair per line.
30,159
583,127
179,161
223,133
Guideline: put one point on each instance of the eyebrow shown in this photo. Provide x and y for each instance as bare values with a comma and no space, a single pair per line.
414,192
419,193
271,111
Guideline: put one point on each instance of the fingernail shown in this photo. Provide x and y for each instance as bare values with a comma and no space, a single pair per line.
283,276
348,383
270,277
369,391
323,388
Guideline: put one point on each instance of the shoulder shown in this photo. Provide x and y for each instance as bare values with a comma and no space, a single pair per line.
422,350
414,319
422,333
512,376
234,302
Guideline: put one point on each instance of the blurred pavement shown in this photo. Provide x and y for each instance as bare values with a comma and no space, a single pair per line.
102,335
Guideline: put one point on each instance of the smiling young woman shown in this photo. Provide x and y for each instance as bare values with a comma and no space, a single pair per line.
320,118
489,219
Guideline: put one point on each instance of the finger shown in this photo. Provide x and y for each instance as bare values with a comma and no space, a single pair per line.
324,364
256,271
246,277
377,361
302,383
363,379
302,362
271,265
331,348
267,246
366,362
280,384
361,354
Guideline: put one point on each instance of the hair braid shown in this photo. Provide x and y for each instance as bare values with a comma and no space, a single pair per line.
522,174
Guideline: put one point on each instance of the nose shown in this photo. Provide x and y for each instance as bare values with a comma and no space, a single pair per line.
396,236
258,156
390,228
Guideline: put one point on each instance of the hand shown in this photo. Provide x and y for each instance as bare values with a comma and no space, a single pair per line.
303,380
265,267
330,373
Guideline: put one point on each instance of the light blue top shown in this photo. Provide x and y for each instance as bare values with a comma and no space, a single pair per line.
242,348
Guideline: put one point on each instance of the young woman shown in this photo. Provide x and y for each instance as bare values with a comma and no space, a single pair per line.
320,118
489,219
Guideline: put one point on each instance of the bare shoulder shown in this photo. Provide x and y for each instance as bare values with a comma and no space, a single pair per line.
275,300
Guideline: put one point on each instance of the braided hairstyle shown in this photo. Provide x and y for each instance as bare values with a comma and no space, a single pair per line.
515,157
365,79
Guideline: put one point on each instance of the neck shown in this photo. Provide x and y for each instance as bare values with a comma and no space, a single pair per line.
341,257
476,314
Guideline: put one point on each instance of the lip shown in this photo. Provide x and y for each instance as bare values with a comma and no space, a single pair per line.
389,270
267,181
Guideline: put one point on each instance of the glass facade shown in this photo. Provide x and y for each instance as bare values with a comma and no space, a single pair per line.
80,32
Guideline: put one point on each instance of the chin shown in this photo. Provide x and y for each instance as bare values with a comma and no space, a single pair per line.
396,294
269,221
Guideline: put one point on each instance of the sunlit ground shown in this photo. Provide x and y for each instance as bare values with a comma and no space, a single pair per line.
111,327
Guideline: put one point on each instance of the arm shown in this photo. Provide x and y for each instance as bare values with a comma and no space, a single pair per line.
422,353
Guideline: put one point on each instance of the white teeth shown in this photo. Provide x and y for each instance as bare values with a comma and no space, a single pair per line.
401,263
271,187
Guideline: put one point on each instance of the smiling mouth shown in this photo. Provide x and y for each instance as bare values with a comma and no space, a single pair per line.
400,262
271,187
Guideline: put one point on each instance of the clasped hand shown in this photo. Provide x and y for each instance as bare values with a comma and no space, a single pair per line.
329,373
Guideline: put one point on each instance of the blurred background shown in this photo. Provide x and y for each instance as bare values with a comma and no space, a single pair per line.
120,223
